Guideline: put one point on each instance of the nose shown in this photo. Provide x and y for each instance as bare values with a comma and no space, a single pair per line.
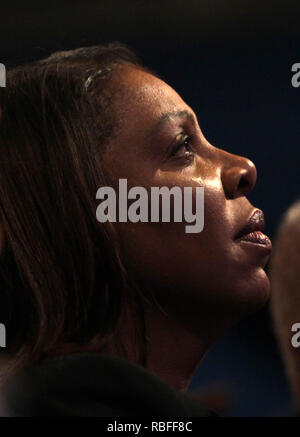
238,176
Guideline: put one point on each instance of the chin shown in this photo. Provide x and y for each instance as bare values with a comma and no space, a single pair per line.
255,291
243,295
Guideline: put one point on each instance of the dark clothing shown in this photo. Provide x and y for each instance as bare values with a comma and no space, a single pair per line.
94,384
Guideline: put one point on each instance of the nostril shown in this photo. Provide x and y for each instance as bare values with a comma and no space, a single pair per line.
247,179
243,184
239,177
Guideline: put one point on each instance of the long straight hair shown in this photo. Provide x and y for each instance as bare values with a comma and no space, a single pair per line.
62,280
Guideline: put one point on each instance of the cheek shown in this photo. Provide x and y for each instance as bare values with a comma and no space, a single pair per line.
164,254
199,270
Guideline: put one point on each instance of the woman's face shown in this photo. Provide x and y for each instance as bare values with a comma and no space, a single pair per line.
159,143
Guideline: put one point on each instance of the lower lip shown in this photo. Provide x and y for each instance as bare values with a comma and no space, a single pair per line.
259,239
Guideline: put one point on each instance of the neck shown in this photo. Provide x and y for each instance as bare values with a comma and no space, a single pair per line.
174,348
174,352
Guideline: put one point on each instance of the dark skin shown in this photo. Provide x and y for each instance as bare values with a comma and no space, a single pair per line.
203,282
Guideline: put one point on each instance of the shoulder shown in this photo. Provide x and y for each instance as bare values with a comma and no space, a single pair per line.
95,385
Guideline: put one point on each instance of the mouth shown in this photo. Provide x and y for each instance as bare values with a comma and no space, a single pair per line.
252,232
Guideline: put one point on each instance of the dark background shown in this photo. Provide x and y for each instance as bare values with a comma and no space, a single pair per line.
231,61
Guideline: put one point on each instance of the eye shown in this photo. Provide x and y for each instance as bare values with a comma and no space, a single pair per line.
183,149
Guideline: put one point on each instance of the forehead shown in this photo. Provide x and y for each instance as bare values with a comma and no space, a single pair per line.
141,100
145,97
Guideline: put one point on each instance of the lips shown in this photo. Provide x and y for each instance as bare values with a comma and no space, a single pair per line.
252,232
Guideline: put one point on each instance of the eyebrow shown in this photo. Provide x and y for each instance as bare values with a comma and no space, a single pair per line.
168,116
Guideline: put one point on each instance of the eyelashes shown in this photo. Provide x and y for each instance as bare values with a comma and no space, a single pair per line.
183,150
